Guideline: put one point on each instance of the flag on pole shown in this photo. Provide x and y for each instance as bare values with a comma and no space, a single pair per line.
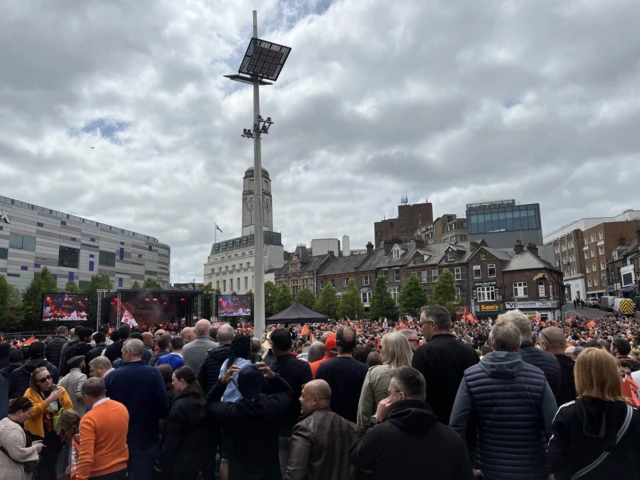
218,228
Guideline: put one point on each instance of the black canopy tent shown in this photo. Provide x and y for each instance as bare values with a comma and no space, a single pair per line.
297,313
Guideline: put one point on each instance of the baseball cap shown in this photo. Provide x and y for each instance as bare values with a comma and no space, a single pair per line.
330,344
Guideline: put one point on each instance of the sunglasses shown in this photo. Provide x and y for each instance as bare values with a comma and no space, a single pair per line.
45,379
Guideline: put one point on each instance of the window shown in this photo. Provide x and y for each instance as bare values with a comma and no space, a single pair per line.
68,257
233,267
492,270
458,273
572,258
589,283
396,274
231,284
4,253
570,245
434,275
483,256
346,282
394,293
486,294
588,268
592,254
294,287
321,283
246,283
107,259
541,289
451,256
557,262
226,268
586,240
425,277
594,268
385,274
22,242
396,253
477,273
365,280
586,254
593,237
601,249
573,271
564,247
218,285
595,282
333,283
603,265
600,235
627,279
366,297
458,292
224,285
520,289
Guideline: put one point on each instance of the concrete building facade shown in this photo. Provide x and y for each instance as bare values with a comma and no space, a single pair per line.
75,248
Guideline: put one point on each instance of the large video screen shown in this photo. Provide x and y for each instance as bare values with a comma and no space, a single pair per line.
234,306
64,307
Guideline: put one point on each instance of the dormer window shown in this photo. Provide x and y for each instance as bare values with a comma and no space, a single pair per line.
451,256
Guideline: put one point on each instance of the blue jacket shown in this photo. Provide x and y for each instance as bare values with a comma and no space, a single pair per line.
141,389
174,360
514,407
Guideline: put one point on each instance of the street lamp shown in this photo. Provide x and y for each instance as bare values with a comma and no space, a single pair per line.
262,61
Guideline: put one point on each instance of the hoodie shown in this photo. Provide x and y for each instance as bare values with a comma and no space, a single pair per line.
585,429
20,378
411,440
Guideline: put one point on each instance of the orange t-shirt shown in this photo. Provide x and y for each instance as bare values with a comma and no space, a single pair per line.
103,440
316,364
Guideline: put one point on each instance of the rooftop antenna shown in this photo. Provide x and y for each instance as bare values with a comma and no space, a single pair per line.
404,199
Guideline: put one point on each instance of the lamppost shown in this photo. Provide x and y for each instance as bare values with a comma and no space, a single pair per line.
262,61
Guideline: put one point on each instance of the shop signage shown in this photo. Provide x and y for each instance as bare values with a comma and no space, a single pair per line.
485,284
532,304
4,215
489,307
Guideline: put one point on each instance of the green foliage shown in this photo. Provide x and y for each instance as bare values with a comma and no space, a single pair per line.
412,297
283,299
151,284
72,287
270,294
306,298
43,282
444,293
351,302
100,281
382,303
136,285
10,303
328,303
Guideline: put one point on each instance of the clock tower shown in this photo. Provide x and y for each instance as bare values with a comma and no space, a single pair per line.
248,203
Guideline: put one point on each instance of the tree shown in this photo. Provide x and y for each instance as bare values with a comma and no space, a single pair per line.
382,303
328,303
270,294
306,298
43,282
72,287
10,302
412,297
444,293
283,300
351,302
151,284
136,285
97,282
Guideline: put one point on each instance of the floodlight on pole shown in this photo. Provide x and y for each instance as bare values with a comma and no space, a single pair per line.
262,61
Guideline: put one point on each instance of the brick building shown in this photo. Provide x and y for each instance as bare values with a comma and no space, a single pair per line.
570,259
301,270
623,270
599,243
486,281
410,219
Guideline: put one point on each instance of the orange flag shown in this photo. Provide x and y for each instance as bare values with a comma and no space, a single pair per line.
30,340
569,320
591,324
304,331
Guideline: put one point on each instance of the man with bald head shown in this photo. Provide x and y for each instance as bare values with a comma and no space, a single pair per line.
209,369
188,334
553,341
193,353
321,439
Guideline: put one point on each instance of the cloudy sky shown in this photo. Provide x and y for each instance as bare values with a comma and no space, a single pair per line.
454,101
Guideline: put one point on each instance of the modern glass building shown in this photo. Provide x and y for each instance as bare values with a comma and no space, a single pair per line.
502,223
74,248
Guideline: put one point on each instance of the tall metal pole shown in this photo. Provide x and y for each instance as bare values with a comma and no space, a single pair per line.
258,235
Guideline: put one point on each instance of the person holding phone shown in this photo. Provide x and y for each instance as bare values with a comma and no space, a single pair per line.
15,450
47,399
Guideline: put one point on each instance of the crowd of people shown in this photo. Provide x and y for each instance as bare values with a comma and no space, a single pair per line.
515,398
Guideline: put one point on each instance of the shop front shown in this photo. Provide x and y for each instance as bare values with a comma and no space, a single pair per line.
547,309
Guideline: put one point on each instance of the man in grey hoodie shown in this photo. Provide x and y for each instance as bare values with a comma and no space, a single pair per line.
513,406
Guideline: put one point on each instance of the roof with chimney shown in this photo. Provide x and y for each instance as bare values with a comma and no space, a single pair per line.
312,266
526,260
339,265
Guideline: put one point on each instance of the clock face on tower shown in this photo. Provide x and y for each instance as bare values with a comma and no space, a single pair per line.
249,203
267,205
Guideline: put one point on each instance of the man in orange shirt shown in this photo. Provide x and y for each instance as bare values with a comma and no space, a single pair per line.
330,351
103,451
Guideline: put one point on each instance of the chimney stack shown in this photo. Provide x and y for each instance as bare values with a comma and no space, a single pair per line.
369,248
533,248
519,248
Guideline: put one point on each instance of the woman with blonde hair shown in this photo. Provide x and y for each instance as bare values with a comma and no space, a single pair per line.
597,435
396,352
48,400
